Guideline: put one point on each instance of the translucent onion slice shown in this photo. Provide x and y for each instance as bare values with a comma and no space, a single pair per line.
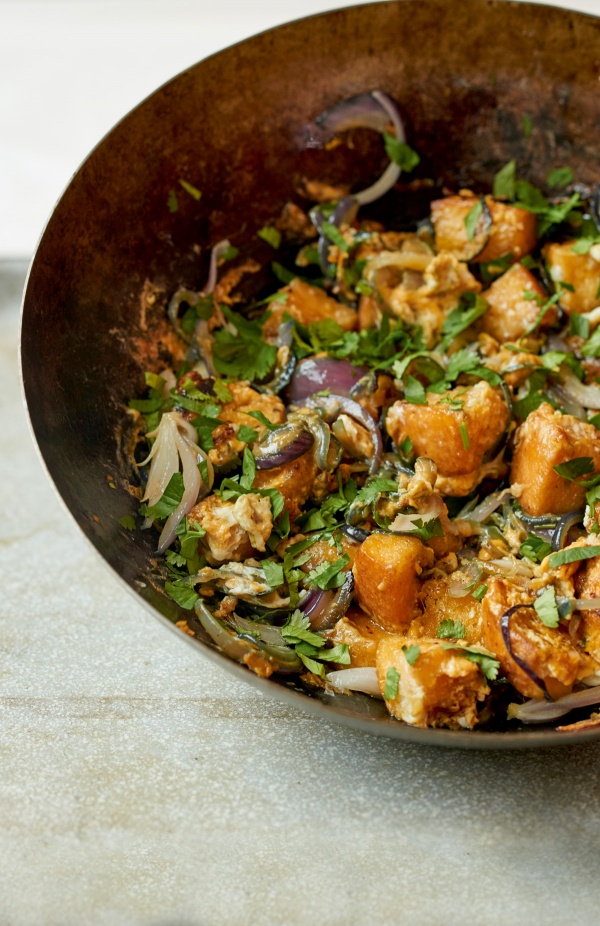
588,396
370,111
360,679
175,442
487,507
333,404
538,711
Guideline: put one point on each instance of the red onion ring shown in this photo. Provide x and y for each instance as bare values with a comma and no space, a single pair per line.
505,626
313,375
360,414
295,449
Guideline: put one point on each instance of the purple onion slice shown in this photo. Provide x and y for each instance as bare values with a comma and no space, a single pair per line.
313,375
283,445
529,672
334,404
565,523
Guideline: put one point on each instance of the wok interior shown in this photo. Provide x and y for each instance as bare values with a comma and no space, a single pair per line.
239,126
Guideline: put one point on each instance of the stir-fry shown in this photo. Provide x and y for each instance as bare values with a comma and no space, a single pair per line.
383,475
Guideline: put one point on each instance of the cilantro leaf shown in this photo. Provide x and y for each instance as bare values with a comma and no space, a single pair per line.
329,575
271,235
273,573
411,653
535,549
263,420
192,190
248,469
449,629
470,308
414,392
392,681
243,355
573,555
472,218
546,607
335,236
248,435
169,500
479,592
400,153
486,661
560,177
504,181
580,466
297,630
185,596
128,522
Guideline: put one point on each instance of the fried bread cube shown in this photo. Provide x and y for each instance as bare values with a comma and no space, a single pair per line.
455,430
545,439
360,634
549,652
438,686
510,314
305,304
438,605
581,271
294,480
512,230
386,572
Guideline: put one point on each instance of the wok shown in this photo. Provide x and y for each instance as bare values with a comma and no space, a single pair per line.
239,126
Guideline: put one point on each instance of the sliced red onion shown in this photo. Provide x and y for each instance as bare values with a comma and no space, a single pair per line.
505,626
192,482
356,411
370,111
315,603
486,507
588,396
335,609
463,581
537,711
565,523
282,658
314,375
215,255
363,678
299,443
355,533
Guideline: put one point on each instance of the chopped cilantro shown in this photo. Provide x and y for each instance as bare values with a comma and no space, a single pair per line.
464,433
335,236
479,592
329,575
411,653
263,420
271,235
535,549
591,348
128,522
406,447
546,607
580,466
560,177
185,596
169,500
579,326
486,661
504,181
273,573
282,273
172,201
472,218
243,355
414,391
392,681
470,308
572,555
527,126
449,629
400,153
248,435
192,190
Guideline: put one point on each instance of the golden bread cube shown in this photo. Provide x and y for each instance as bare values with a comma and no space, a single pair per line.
386,573
512,230
360,634
510,314
436,687
294,480
438,605
548,652
305,304
455,430
545,439
581,271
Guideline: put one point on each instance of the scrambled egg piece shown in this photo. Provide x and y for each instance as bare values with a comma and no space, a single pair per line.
234,530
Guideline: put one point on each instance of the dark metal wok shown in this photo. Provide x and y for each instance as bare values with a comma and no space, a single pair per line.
237,126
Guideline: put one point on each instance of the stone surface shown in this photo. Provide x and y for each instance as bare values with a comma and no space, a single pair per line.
142,786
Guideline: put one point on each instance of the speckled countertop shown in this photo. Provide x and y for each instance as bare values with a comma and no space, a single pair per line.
142,786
